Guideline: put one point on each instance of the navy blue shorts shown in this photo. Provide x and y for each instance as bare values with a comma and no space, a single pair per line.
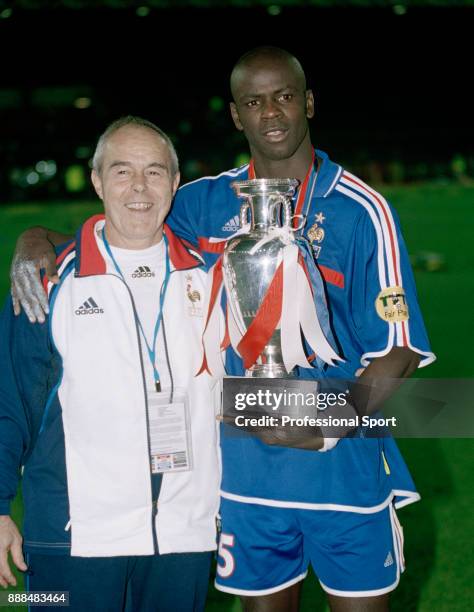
161,583
264,549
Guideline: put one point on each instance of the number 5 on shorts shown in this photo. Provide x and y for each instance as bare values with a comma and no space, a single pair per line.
227,569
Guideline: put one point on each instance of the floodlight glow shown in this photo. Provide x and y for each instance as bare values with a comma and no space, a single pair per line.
82,103
32,178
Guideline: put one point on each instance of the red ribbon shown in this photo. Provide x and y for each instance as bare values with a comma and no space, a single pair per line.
216,285
265,322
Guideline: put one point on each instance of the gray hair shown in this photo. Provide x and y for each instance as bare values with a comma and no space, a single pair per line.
135,121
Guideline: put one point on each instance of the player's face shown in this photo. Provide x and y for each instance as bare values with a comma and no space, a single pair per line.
136,184
271,107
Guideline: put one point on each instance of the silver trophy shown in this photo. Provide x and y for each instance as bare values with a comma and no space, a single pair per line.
248,271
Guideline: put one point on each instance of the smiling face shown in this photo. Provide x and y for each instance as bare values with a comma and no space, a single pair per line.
136,183
271,106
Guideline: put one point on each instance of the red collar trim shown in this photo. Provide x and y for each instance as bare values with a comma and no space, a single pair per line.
90,260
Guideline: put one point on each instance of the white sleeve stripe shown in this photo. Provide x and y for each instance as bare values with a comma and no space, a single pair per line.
388,225
378,231
392,251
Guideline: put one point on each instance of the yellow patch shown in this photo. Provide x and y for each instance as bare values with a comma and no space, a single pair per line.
385,464
391,305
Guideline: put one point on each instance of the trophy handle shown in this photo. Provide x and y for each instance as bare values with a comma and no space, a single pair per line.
274,202
286,212
244,214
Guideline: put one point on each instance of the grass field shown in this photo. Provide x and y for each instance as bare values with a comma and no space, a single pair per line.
439,530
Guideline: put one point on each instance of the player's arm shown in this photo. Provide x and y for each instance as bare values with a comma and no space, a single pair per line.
382,377
34,251
186,211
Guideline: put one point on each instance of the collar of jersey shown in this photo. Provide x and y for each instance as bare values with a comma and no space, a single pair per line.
328,175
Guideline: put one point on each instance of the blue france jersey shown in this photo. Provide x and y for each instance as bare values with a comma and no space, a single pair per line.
356,241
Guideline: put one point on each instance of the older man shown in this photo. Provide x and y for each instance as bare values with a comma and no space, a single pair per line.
117,437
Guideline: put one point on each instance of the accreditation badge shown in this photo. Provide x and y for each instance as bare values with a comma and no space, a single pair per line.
170,432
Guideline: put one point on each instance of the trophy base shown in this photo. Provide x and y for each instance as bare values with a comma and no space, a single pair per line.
270,370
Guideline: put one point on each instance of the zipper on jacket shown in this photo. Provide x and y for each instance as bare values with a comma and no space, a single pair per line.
152,492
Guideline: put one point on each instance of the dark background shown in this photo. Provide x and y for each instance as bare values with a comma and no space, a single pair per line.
393,100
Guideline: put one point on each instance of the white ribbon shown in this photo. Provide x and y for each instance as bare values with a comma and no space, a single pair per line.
291,345
286,235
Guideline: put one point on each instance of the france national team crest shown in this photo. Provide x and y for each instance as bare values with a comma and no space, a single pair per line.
316,234
194,297
391,305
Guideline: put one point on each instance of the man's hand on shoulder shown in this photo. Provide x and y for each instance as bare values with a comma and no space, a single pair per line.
10,541
33,252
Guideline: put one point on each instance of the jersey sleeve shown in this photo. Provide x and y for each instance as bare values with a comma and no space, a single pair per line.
185,213
384,302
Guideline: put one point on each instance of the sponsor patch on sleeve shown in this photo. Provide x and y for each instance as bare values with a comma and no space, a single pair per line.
391,305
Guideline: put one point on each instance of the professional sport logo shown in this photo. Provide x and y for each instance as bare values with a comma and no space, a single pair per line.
193,295
391,305
143,272
89,307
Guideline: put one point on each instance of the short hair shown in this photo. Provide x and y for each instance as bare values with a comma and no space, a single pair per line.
138,122
267,51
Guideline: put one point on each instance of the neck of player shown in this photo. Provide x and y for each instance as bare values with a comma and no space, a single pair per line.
295,166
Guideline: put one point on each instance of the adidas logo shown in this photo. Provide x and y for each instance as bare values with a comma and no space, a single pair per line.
232,224
388,560
89,307
143,272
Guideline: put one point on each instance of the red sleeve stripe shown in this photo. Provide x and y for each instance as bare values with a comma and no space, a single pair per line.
206,245
332,276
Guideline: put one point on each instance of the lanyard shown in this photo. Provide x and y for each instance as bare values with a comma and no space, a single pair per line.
151,349
305,193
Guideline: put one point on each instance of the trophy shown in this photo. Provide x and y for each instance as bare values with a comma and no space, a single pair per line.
248,272
276,310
